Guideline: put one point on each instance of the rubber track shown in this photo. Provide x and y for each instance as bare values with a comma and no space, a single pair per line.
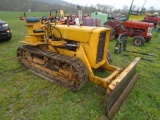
74,62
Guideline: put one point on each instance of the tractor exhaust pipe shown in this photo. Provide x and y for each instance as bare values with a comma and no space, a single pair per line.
80,15
68,21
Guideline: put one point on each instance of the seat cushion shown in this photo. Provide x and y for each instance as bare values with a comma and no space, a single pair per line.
32,19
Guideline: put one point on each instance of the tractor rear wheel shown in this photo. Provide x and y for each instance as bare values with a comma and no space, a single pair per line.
138,41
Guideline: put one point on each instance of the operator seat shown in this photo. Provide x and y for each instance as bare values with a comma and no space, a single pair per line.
34,26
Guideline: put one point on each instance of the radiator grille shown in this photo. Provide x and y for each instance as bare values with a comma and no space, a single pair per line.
101,44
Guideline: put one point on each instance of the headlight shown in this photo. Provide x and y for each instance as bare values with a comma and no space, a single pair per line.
5,26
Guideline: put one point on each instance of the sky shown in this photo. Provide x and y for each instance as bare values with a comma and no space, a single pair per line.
118,3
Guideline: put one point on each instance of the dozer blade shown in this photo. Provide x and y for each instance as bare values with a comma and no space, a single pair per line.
121,87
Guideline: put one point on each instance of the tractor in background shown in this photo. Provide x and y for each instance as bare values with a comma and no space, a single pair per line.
23,17
151,18
140,31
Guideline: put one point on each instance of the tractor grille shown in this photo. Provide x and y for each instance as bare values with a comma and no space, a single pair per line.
149,33
101,44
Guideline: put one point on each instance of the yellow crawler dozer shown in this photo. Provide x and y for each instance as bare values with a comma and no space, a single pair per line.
67,54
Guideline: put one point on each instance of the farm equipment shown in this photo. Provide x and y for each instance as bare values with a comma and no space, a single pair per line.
152,19
66,55
23,17
65,19
140,31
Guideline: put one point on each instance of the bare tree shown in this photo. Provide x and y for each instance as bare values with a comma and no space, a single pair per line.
125,9
151,10
45,6
134,8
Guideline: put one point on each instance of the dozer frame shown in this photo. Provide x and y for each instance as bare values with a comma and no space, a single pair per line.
69,54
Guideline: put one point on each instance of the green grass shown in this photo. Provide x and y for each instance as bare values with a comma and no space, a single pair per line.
26,96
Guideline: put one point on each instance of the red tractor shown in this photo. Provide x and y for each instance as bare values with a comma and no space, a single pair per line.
152,19
140,31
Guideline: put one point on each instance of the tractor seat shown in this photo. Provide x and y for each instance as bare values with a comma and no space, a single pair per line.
32,19
34,26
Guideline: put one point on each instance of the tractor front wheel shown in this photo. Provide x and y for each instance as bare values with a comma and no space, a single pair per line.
138,41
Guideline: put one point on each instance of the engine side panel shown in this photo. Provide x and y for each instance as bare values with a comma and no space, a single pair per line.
75,33
138,25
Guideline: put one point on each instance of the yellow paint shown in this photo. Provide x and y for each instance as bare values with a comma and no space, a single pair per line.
57,43
87,39
76,33
136,17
